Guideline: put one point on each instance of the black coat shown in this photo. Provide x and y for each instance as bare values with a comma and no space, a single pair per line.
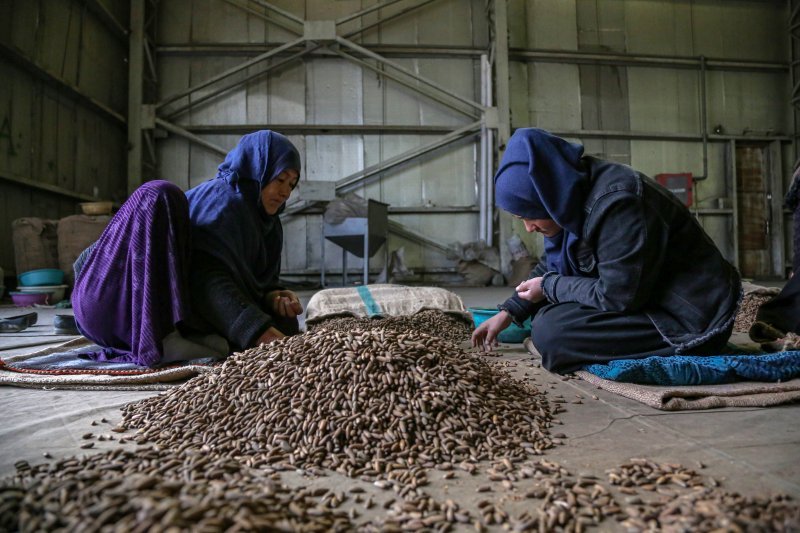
643,252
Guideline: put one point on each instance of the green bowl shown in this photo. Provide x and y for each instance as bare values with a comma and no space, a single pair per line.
513,334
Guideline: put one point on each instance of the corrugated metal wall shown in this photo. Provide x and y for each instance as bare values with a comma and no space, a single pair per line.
63,98
634,94
198,40
64,91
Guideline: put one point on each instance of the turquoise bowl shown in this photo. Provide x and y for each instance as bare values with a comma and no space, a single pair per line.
513,334
43,276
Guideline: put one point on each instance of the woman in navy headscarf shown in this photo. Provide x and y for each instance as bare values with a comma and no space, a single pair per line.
177,276
627,271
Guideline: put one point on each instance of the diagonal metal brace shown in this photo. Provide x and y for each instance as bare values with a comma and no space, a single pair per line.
354,180
238,68
476,107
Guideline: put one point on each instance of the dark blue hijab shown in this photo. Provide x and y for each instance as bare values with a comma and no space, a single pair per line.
542,176
228,220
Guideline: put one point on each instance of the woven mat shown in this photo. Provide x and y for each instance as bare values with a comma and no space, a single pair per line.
94,378
678,398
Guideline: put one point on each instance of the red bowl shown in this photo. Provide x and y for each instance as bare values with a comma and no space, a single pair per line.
27,299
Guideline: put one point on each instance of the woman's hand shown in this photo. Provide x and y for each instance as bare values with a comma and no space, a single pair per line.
531,290
485,336
271,334
284,303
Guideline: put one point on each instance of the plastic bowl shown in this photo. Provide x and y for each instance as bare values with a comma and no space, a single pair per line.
27,299
56,291
513,334
43,276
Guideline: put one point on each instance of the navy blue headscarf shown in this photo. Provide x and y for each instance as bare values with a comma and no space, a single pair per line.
228,219
542,176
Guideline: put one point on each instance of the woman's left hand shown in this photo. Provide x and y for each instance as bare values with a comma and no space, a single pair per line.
284,303
531,290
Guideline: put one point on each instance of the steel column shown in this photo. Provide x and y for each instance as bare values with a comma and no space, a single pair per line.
135,94
501,75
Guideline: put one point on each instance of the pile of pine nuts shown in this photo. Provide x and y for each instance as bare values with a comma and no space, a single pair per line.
389,408
682,500
367,403
431,322
154,489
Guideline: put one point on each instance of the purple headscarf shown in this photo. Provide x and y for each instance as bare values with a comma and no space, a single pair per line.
228,220
541,176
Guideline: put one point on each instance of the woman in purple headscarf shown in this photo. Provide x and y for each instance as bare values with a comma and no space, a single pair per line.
202,265
627,271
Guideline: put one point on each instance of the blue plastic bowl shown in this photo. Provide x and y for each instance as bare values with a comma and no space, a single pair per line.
513,334
43,276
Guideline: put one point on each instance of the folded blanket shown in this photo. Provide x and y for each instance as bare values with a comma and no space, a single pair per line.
701,370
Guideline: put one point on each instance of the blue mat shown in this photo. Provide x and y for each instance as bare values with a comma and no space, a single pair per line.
700,370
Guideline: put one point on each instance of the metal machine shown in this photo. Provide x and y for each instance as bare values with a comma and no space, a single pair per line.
361,236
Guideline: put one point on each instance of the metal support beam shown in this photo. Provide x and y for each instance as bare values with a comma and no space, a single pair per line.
384,20
365,11
414,236
216,92
385,50
279,11
421,79
359,178
72,92
266,18
110,21
35,184
501,75
221,76
438,97
319,129
634,60
177,130
135,94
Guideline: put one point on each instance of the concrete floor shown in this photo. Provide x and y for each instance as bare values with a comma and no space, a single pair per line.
751,451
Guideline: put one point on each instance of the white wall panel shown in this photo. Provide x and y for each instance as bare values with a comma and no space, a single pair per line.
740,29
543,24
664,100
554,99
655,27
742,101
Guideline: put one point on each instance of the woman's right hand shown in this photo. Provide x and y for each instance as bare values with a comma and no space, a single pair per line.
271,334
485,336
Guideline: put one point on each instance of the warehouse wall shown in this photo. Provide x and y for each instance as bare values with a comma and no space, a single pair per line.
63,99
742,105
644,115
334,91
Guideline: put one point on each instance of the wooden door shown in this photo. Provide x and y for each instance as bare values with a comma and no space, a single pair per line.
753,210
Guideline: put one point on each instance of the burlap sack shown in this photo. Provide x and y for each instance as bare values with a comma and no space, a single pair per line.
35,243
75,234
382,300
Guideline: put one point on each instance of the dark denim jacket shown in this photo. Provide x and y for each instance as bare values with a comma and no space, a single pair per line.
643,252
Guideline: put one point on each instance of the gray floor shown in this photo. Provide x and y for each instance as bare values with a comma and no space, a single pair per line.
752,451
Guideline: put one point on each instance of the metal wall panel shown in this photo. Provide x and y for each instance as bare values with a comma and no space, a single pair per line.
740,29
619,97
542,24
333,91
749,103
58,59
